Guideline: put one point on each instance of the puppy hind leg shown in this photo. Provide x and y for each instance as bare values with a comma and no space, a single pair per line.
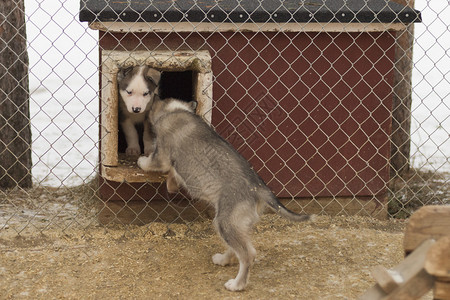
224,259
171,182
239,244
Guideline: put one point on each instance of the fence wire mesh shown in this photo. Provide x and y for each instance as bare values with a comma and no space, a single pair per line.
348,114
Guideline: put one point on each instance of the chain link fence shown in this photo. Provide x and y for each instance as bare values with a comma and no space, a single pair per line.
342,108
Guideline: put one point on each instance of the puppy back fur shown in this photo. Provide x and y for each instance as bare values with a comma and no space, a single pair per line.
208,166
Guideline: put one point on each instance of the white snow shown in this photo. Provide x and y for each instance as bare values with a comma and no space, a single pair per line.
430,123
63,57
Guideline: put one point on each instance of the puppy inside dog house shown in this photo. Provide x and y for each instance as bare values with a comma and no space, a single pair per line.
186,75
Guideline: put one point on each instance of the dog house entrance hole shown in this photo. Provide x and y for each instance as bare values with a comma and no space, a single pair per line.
185,75
177,85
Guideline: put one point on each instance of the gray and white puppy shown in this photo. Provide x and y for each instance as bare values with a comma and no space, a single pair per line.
210,169
137,88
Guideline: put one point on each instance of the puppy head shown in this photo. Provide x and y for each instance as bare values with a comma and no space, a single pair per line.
137,87
169,105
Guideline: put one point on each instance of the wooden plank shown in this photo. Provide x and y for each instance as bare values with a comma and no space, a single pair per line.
128,173
441,290
247,27
388,280
415,288
429,222
402,99
416,281
438,259
109,113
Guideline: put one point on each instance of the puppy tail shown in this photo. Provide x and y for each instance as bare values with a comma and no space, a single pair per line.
281,210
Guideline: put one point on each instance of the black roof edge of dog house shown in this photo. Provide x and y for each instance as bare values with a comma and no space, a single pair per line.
248,11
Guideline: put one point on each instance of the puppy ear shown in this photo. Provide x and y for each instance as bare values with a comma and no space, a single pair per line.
154,75
123,72
193,105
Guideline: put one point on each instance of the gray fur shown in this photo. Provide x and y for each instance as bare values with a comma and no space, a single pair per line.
210,169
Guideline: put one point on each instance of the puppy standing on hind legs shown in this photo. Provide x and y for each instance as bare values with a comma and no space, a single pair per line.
210,169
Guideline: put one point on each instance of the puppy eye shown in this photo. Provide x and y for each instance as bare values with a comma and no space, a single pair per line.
146,94
129,92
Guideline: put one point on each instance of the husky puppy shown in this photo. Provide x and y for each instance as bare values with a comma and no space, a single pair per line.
138,86
210,169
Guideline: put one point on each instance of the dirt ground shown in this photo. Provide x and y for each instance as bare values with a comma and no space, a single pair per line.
327,259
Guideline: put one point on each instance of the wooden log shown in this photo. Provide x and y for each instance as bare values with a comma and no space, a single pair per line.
438,264
429,222
410,277
388,280
402,99
15,128
438,259
441,290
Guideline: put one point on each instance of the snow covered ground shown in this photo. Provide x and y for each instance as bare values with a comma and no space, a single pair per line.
64,85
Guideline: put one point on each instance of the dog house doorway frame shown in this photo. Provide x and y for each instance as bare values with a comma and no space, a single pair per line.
112,167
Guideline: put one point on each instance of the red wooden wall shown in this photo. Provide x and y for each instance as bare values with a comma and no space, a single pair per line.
310,111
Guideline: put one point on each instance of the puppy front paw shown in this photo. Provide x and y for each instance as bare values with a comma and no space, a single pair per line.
172,189
143,162
133,151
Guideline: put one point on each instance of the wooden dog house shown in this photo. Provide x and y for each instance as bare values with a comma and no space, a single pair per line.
301,89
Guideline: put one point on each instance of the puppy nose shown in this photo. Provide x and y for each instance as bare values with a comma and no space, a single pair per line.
136,109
